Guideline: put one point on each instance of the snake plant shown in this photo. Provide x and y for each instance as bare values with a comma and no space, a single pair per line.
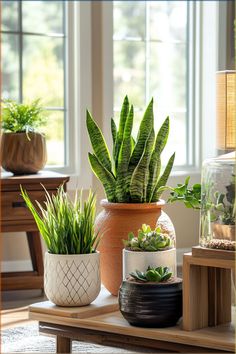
132,173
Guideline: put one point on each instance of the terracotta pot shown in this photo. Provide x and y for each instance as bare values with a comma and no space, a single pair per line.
115,222
20,155
72,279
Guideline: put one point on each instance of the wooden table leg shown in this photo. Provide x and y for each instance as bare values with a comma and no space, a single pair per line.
35,249
195,296
63,345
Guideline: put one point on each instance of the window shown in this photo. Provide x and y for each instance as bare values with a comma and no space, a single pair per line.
34,62
151,50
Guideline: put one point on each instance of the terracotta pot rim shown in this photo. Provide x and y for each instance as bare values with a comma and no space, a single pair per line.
132,206
148,252
97,253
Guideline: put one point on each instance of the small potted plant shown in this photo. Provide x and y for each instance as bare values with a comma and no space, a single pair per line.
149,247
23,147
152,298
133,181
72,262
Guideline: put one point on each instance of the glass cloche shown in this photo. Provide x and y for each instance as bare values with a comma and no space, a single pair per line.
217,222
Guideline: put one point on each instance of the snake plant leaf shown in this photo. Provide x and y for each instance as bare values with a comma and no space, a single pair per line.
123,180
146,127
162,136
155,163
123,116
139,179
163,180
104,176
98,143
113,131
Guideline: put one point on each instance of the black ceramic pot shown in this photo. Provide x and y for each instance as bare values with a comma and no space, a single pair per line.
151,304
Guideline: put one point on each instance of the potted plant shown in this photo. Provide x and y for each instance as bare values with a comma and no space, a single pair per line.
133,183
72,262
152,298
23,147
149,247
217,211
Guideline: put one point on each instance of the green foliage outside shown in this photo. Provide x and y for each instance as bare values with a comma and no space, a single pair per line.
148,240
67,227
152,274
131,174
22,117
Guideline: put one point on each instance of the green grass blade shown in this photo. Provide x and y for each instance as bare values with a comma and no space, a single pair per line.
163,180
139,180
122,183
146,127
104,176
98,143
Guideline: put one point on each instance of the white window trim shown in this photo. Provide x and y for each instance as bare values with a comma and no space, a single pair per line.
80,86
78,94
202,103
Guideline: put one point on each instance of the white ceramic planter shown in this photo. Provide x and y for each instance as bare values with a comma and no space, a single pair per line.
72,280
141,260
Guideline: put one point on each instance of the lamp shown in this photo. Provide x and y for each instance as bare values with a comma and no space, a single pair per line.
226,110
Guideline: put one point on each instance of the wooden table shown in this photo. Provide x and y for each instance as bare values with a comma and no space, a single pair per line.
102,323
15,217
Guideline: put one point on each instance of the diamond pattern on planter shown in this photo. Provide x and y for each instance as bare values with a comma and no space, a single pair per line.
72,280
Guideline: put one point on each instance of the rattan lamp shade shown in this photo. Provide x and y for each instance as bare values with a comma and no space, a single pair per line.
226,110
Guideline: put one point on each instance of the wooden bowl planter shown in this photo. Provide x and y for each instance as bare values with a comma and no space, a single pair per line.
73,279
115,222
23,155
151,304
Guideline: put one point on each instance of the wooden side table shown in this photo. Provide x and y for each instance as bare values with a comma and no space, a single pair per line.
15,217
207,287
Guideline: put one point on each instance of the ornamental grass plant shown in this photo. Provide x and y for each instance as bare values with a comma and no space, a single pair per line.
67,227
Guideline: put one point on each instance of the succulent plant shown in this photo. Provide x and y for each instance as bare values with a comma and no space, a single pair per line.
148,240
152,274
132,175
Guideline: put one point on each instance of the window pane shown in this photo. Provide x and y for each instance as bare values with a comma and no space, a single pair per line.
129,72
168,75
168,20
10,66
43,70
9,15
54,131
129,19
43,16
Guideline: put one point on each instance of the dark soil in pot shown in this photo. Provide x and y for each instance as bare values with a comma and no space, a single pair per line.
151,304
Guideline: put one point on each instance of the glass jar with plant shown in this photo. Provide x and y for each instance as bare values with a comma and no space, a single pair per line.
133,181
215,198
72,263
23,147
151,298
149,247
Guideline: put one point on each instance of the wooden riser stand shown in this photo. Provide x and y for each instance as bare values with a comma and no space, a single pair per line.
207,288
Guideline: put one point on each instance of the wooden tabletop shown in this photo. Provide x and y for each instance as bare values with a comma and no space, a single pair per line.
104,315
